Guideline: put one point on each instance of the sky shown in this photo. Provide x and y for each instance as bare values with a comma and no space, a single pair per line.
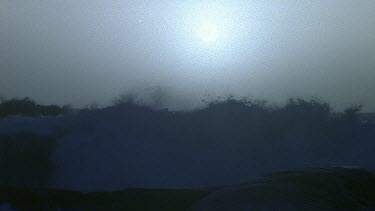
84,52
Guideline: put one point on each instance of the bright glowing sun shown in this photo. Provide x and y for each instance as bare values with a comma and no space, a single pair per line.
208,32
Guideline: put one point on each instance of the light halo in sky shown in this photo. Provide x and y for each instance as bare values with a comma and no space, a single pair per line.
209,30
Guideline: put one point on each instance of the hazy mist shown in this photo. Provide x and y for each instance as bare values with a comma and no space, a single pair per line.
80,52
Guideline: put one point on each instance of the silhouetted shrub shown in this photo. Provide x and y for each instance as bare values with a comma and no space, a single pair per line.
250,132
351,113
243,120
28,107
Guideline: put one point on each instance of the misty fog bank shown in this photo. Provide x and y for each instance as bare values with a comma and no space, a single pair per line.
80,53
